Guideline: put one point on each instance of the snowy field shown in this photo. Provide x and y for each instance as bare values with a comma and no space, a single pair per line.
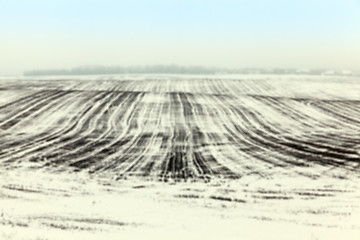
174,157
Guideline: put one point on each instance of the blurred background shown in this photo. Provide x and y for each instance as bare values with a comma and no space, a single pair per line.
57,34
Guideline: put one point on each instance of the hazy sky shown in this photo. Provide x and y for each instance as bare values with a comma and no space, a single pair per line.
42,34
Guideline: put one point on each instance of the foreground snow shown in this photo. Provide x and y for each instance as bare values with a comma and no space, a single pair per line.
38,205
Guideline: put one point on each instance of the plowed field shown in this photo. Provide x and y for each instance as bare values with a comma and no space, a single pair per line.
270,149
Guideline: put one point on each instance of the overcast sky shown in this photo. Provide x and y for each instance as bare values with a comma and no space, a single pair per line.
43,34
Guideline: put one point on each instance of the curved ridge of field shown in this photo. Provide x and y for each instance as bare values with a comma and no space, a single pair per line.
182,127
260,151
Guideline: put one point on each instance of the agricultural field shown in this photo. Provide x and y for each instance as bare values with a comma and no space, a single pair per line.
169,157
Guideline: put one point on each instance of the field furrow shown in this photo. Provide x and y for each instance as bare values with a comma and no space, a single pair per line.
180,127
